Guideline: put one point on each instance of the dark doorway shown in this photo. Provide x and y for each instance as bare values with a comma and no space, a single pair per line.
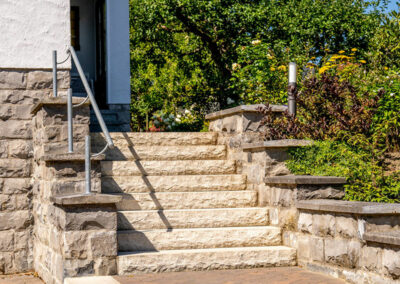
101,58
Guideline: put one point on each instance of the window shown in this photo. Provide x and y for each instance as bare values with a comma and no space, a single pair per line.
75,28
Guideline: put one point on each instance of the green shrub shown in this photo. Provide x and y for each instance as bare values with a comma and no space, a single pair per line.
365,176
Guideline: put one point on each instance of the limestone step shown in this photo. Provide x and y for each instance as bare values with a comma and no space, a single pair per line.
130,184
205,259
191,167
127,139
192,218
187,200
198,152
199,238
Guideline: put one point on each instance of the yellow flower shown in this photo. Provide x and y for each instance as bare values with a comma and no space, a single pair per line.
354,49
342,51
386,68
312,58
272,69
327,50
352,54
362,61
282,68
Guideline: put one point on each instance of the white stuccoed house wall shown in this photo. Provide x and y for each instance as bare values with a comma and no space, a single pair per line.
30,30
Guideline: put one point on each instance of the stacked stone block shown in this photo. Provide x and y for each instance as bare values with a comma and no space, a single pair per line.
333,241
19,91
74,234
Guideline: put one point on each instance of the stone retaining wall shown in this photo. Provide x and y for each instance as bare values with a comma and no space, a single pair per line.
19,91
74,234
334,243
358,242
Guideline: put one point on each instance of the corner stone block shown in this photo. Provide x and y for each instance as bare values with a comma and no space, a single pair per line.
87,218
75,244
103,244
106,266
391,263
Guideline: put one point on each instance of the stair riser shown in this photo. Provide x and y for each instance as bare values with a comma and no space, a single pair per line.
188,200
131,168
206,260
131,184
208,218
124,140
165,153
198,239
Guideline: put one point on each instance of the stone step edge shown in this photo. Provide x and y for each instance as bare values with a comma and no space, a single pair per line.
200,209
390,237
305,180
276,144
261,227
188,251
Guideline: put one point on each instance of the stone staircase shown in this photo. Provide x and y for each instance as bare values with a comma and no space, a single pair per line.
185,206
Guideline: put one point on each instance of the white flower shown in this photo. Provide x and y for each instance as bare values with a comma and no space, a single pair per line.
179,116
391,94
187,111
177,120
229,101
256,42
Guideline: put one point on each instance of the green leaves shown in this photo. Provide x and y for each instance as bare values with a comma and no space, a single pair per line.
183,51
366,178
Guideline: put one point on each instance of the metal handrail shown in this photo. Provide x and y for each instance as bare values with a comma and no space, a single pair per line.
71,52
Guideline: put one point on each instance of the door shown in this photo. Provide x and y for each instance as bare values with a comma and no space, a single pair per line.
101,55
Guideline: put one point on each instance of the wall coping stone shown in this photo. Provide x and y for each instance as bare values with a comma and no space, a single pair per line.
55,102
283,143
70,157
86,199
304,180
349,207
242,109
391,238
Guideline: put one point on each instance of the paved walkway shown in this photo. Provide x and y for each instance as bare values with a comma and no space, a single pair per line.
280,275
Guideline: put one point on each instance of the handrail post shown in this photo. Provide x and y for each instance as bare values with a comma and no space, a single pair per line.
55,73
70,122
88,181
292,88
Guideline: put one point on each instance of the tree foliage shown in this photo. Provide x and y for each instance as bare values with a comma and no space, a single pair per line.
184,52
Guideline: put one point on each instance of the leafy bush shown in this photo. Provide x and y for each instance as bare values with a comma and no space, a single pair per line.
366,180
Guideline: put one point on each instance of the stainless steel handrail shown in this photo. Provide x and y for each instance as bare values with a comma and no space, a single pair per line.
71,52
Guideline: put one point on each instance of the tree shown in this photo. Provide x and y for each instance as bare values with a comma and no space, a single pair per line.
185,53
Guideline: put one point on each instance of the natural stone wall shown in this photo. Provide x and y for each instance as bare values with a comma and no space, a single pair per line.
333,243
68,239
19,91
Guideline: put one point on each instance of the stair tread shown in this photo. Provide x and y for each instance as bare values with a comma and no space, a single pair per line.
175,183
261,228
172,167
160,138
199,209
186,251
